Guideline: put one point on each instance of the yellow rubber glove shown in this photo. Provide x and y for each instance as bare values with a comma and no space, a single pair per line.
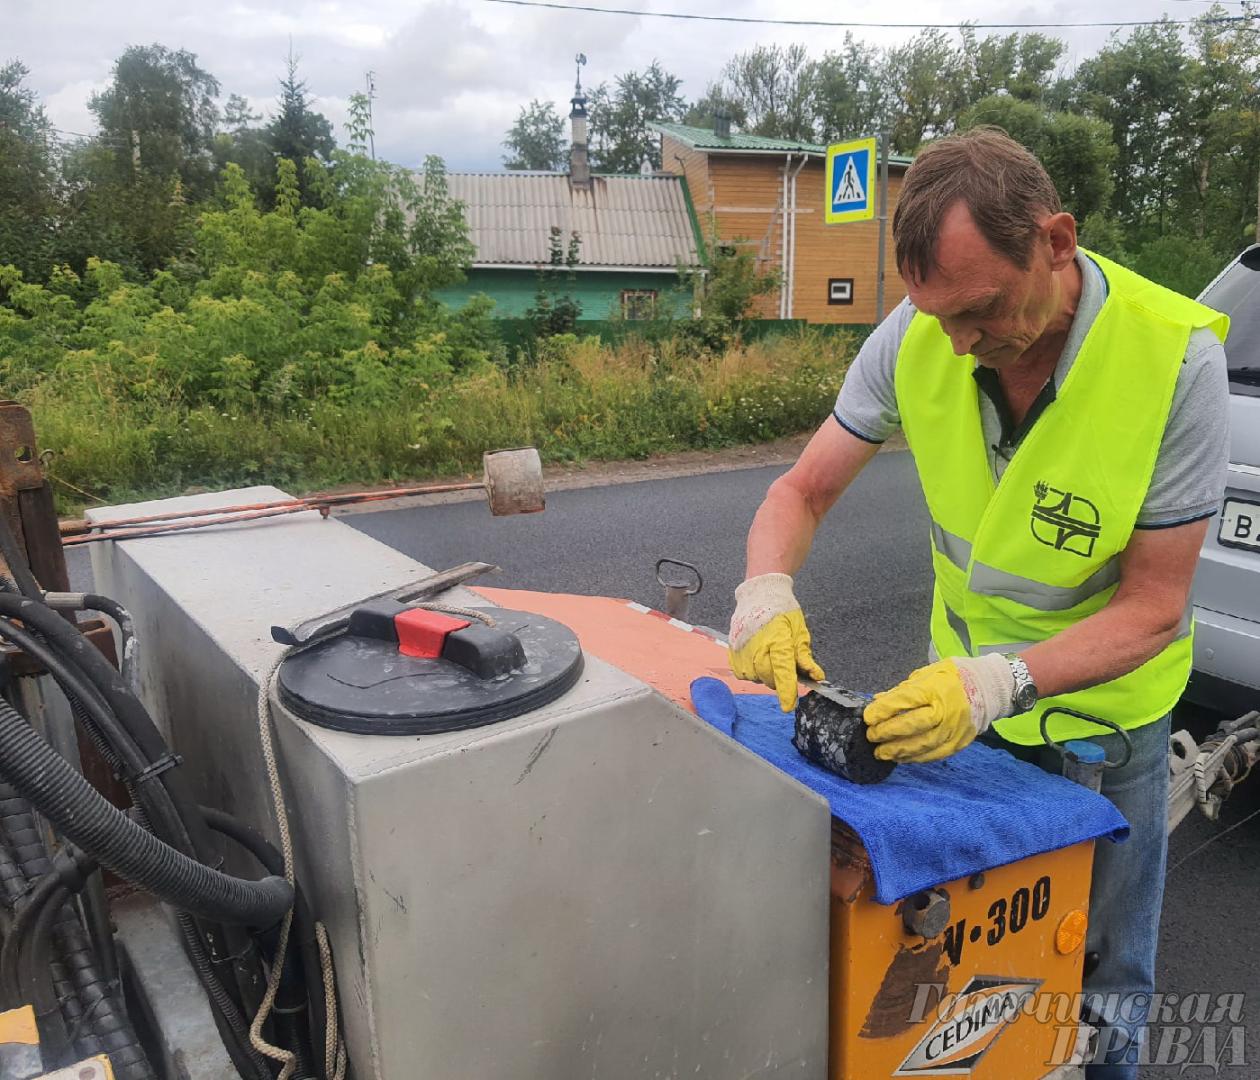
769,641
940,708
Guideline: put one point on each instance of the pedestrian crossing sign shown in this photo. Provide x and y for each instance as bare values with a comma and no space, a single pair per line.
850,181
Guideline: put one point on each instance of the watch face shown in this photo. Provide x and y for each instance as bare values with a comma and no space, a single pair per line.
1025,697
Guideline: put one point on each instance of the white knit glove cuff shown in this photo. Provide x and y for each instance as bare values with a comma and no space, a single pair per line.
757,601
990,686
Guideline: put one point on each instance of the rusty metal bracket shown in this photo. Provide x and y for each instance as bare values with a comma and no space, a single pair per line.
26,498
95,630
19,457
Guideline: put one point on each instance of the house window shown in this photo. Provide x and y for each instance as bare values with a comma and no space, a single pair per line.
638,304
840,290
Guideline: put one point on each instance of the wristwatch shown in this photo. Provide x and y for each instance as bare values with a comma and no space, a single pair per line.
1025,696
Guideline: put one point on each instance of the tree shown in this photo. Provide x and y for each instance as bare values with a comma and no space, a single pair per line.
1076,150
620,137
1137,86
1018,64
159,117
773,89
242,141
28,176
927,80
1221,136
851,92
536,140
554,310
297,132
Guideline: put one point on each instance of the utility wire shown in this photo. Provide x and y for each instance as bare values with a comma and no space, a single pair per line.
862,25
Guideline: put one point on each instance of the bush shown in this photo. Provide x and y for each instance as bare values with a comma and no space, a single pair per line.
582,400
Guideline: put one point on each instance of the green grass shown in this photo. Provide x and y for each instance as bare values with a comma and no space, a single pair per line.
581,401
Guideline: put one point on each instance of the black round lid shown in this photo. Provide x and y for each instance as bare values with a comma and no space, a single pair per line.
409,671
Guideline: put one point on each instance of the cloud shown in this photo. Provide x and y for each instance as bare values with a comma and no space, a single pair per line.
450,74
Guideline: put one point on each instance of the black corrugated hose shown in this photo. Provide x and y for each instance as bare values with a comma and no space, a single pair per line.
82,815
151,800
107,708
115,746
91,1004
164,797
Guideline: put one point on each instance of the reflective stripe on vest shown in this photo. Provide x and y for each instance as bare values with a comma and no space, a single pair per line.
1019,560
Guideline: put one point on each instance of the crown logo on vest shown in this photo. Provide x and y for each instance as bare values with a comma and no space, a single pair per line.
1064,521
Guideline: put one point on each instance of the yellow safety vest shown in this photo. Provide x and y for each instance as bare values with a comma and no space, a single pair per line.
1026,558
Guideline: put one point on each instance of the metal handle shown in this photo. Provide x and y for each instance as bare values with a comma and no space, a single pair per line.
689,588
1124,735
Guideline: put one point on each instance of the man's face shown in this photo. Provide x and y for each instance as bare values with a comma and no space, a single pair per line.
990,307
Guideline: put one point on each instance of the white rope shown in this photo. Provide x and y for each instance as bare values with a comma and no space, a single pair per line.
334,1045
276,1053
334,1048
463,612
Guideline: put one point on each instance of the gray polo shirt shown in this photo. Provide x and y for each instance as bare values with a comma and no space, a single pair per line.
1189,478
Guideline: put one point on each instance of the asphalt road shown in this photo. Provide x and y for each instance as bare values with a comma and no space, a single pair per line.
866,593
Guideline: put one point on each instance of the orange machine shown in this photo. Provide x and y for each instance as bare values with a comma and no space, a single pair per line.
984,987
977,977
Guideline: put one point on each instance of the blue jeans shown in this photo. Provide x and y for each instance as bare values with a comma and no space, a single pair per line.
1125,897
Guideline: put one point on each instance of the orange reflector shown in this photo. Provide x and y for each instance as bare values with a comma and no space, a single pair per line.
1070,934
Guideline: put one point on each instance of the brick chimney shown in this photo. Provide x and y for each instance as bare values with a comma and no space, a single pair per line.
579,163
722,122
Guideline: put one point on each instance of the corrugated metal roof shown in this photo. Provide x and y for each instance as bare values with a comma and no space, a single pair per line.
706,139
631,221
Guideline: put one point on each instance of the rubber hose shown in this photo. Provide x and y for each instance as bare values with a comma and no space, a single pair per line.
103,1025
34,978
233,1028
127,724
309,973
9,955
126,631
89,717
84,817
49,983
12,880
72,601
88,998
179,824
19,567
93,714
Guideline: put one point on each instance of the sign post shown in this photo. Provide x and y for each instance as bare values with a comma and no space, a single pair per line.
851,183
883,225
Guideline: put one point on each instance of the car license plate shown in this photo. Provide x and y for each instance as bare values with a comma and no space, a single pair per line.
1240,524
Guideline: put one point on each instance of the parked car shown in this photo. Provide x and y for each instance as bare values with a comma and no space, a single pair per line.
1227,583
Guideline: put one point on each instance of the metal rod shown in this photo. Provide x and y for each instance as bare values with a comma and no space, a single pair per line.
310,502
883,225
187,526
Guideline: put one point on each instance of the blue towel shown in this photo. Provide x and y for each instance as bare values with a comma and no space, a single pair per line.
932,823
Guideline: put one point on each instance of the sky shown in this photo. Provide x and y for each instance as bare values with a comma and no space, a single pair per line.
451,75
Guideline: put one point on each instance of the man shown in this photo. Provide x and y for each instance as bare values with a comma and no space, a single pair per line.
1068,422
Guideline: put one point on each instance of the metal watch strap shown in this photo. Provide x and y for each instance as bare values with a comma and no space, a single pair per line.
1023,679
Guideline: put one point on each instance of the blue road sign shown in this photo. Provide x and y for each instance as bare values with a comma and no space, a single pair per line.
850,181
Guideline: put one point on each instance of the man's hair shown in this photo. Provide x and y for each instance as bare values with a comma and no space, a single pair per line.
1006,189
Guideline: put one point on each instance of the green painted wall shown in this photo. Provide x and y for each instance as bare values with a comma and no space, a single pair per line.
599,292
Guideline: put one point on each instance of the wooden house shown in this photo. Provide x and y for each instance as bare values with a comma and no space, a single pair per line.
768,195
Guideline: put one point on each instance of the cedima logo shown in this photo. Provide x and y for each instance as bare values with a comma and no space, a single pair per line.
973,1023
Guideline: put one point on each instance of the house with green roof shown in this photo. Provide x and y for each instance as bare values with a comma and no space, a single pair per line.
635,238
768,196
